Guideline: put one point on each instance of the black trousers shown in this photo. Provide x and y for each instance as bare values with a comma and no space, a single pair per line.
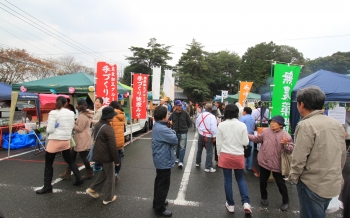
264,176
216,157
50,158
83,155
161,188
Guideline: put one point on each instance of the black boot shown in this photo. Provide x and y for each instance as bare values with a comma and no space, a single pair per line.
76,172
48,173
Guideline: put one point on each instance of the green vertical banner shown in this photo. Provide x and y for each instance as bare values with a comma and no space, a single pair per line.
285,78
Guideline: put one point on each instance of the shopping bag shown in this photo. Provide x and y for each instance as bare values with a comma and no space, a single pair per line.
286,160
72,143
333,205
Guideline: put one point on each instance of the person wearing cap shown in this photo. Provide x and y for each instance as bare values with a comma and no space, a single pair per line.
163,142
206,125
82,139
273,140
319,155
180,123
106,153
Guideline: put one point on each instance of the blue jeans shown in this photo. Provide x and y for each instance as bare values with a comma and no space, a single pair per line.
117,168
239,175
311,205
209,147
248,162
180,148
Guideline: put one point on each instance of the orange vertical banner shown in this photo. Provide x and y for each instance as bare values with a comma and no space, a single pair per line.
244,91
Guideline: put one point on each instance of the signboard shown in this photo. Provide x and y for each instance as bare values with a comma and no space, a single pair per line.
285,78
338,113
139,96
106,82
244,91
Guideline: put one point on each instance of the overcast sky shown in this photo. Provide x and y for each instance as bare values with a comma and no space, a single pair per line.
110,27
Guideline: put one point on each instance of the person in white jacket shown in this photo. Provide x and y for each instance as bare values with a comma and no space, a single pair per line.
231,136
60,125
206,124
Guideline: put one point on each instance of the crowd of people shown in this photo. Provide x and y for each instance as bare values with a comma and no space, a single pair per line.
224,132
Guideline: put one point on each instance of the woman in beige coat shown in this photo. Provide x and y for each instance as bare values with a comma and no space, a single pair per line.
82,139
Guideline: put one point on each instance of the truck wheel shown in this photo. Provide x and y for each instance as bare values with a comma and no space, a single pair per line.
146,127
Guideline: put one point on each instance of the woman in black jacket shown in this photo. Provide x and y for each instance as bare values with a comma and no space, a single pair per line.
106,153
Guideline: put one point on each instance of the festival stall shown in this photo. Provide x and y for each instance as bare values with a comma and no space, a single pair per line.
251,96
336,91
335,86
20,115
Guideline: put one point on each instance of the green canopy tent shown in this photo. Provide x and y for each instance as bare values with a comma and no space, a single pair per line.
82,83
61,84
251,96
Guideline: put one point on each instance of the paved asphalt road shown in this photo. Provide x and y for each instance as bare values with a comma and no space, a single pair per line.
193,193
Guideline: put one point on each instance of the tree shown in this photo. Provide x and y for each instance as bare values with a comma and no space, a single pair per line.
17,66
126,79
193,74
155,55
338,62
256,62
225,66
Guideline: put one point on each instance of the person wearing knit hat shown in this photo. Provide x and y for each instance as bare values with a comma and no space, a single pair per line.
274,140
180,123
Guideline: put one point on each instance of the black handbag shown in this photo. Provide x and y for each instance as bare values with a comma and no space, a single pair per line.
247,151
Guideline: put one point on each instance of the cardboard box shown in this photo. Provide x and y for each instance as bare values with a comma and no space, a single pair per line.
45,117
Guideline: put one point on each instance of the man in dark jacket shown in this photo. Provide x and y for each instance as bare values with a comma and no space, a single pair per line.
106,153
180,123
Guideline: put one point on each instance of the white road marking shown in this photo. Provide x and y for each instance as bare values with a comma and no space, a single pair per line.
177,202
180,199
57,180
16,155
151,138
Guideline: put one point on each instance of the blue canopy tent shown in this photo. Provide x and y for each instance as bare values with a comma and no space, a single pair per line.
266,96
6,91
335,86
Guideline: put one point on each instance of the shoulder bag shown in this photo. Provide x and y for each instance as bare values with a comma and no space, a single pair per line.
90,156
286,160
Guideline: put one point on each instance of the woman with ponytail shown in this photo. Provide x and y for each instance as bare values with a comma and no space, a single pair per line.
60,125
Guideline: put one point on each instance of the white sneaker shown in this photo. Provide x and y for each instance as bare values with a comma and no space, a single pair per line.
230,208
107,202
247,208
181,165
197,165
211,170
177,161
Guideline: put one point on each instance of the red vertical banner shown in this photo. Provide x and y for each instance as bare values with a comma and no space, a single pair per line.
106,82
139,96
